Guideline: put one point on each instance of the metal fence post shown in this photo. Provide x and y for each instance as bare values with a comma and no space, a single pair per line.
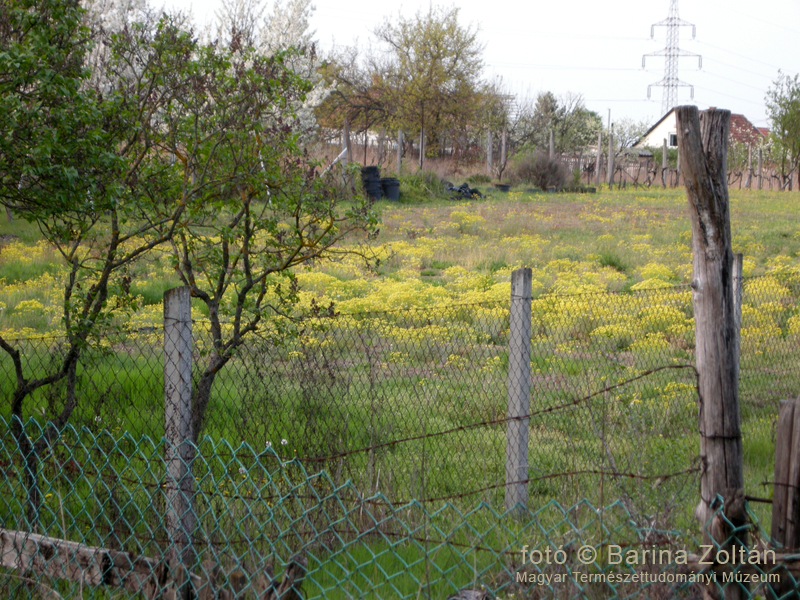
179,485
519,387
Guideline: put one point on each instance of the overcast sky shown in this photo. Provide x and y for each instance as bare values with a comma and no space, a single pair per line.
596,48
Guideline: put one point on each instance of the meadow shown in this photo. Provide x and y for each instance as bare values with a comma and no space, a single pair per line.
439,253
419,349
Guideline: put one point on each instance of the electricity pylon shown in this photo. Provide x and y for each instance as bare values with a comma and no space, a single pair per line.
671,52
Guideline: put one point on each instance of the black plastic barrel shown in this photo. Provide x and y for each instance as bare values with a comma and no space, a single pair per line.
391,188
371,178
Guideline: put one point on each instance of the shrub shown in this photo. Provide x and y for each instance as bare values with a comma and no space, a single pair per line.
421,186
540,171
479,179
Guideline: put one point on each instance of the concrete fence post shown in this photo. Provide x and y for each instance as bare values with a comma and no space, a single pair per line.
179,485
519,387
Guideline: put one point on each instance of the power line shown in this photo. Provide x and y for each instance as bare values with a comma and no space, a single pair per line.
735,81
730,96
728,8
731,65
560,67
737,54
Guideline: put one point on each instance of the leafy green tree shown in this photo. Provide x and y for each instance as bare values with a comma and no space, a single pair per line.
434,73
260,208
783,107
179,144
74,161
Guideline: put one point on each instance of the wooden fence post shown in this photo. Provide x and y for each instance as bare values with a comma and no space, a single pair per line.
597,162
611,157
179,485
399,151
760,166
503,155
346,145
786,487
664,164
421,148
519,388
749,181
489,149
703,146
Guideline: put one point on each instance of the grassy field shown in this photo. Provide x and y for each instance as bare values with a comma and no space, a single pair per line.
442,252
436,362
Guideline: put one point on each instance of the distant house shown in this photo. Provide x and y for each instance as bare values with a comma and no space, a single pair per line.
666,128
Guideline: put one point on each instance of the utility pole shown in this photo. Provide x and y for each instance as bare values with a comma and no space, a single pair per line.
671,53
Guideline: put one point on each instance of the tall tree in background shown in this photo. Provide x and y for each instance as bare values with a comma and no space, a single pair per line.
247,26
783,107
434,74
627,132
573,125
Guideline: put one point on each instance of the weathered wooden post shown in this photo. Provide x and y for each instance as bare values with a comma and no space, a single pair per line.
503,155
519,389
489,149
760,166
703,146
399,150
421,148
179,485
786,487
597,162
346,145
749,181
552,148
610,157
664,164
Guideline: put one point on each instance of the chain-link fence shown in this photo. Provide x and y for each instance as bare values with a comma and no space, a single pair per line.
413,403
267,528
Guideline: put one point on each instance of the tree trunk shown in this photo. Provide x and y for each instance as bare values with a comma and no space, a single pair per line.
703,146
202,395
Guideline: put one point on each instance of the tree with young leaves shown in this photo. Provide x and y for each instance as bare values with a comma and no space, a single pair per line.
180,144
82,165
433,77
262,208
783,107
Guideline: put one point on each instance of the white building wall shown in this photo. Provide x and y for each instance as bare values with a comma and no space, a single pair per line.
665,130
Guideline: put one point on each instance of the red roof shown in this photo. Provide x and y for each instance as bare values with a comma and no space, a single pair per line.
744,131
